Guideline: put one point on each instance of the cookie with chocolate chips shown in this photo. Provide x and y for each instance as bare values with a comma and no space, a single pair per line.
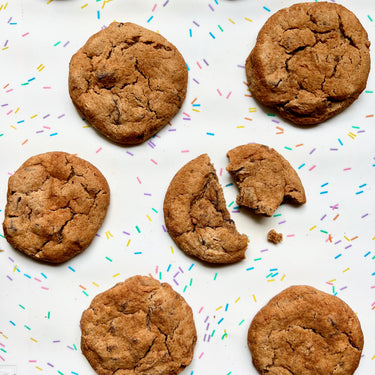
56,203
310,62
128,82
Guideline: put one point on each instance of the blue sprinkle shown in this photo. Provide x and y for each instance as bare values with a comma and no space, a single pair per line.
169,267
338,256
213,36
210,133
226,307
150,19
302,165
98,14
187,66
51,135
268,10
324,184
368,253
340,142
216,2
71,268
273,269
138,252
31,79
231,184
192,265
12,322
196,105
223,318
323,192
373,274
359,192
249,269
19,122
43,275
28,276
362,186
191,33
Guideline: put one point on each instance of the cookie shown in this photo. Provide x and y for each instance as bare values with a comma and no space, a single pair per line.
56,203
264,178
304,331
128,82
139,326
310,62
196,216
274,237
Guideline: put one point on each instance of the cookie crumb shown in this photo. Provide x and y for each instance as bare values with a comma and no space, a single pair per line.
274,237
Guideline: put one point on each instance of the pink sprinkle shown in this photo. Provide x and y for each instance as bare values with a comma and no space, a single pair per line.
157,269
201,355
154,161
25,34
200,310
230,92
199,65
186,114
45,288
221,172
32,360
46,127
153,9
219,92
10,112
290,235
184,150
99,149
2,358
347,169
139,180
312,167
373,304
9,90
46,87
329,283
37,279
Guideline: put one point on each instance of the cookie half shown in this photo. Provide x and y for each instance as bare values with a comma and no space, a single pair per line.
264,178
310,62
196,216
304,331
139,326
56,203
128,82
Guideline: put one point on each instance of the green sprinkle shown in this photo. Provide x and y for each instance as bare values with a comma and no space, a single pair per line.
3,350
369,17
1,136
21,307
184,289
220,28
323,231
85,293
60,372
27,327
212,334
224,336
108,259
191,282
56,44
276,215
75,348
1,234
48,315
138,230
229,372
24,84
257,259
369,92
159,275
288,148
241,322
269,275
153,209
215,276
355,127
271,114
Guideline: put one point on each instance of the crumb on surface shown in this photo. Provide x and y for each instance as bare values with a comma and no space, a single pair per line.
274,237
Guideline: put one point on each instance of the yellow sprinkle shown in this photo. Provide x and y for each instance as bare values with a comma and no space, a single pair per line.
248,19
13,127
254,298
373,238
172,250
84,6
373,357
117,274
95,284
15,268
347,269
331,281
33,116
17,110
220,307
237,300
195,110
33,339
312,227
347,238
282,277
5,6
253,109
269,280
240,126
49,2
108,234
230,20
148,217
1,7
5,48
128,243
351,135
38,368
86,126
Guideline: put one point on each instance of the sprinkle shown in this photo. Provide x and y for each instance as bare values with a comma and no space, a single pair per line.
109,259
210,133
71,268
310,169
154,161
150,19
212,35
254,298
98,150
265,8
98,14
248,19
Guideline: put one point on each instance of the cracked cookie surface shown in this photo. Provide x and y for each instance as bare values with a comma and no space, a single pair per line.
196,216
56,202
310,62
138,327
128,82
304,331
264,178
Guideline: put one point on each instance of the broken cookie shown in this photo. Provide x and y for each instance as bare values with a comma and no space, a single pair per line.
128,82
264,178
196,216
310,62
274,237
139,326
304,331
56,203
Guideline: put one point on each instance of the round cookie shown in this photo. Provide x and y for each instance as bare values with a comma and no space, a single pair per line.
196,216
139,326
128,82
304,331
264,178
310,62
56,203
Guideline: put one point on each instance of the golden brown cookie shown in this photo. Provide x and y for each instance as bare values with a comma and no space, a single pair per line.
139,326
128,82
264,178
274,237
196,216
310,61
56,204
304,331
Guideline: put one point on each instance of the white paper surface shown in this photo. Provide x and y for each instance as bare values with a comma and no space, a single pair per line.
328,242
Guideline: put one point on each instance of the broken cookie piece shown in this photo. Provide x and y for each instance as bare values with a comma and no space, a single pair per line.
56,203
139,326
274,237
196,216
264,178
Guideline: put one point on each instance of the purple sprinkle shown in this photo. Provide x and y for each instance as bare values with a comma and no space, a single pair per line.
333,149
126,233
4,105
347,247
61,116
312,150
97,235
360,131
186,118
277,122
210,6
206,62
206,319
209,337
9,278
128,152
181,269
363,216
46,116
69,347
323,217
171,130
204,337
165,3
262,251
6,42
39,131
50,364
11,259
163,228
235,211
175,281
344,287
282,222
10,19
207,326
196,23
147,194
66,43
195,81
337,242
56,341
176,274
241,66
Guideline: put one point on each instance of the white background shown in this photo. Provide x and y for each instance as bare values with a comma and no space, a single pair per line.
41,304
